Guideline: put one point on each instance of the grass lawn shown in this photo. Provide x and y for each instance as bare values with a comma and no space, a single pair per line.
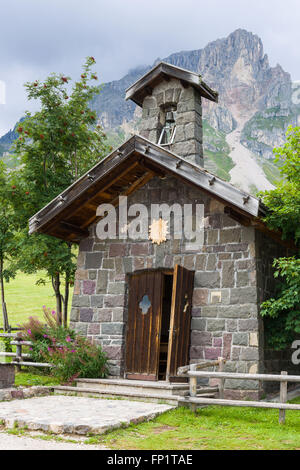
212,428
30,379
24,298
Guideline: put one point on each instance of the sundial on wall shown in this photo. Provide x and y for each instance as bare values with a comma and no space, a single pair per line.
158,231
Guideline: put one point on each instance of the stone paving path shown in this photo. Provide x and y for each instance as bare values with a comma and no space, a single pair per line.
11,442
76,415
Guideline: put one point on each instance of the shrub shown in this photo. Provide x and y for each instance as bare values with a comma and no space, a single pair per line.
72,355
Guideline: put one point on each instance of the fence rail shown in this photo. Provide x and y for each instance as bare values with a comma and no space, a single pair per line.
19,356
193,373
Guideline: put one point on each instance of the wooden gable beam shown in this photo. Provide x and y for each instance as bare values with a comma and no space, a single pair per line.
94,194
133,187
82,233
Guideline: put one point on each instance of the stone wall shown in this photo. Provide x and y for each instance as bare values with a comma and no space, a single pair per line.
188,142
225,314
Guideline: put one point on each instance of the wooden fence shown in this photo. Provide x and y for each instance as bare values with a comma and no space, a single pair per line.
19,356
193,373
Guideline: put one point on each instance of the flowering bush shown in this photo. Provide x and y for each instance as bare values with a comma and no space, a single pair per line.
72,355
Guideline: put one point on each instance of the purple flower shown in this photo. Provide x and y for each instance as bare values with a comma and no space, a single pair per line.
68,339
29,332
73,350
45,336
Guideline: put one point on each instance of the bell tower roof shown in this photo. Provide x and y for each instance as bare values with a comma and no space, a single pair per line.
163,71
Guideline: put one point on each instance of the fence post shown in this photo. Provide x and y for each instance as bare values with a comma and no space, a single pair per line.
222,380
193,387
18,352
283,398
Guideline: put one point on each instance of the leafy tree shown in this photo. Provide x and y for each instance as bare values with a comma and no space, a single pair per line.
6,238
282,314
56,145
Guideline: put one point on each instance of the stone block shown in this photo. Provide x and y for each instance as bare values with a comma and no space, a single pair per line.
81,274
86,315
116,288
227,342
201,338
212,353
74,314
139,249
114,301
249,354
227,274
231,235
243,295
215,324
250,325
102,281
89,287
112,328
103,315
253,339
241,339
211,263
108,263
242,279
81,301
201,262
200,297
210,280
97,301
118,249
86,244
198,324
93,260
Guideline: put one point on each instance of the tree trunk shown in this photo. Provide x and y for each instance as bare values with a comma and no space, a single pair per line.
56,287
66,301
4,311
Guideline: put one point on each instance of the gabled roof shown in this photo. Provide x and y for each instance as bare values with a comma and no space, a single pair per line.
143,87
124,171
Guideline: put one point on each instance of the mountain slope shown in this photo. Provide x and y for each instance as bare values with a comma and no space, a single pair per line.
257,103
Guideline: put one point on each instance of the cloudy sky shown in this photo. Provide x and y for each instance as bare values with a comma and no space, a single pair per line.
38,37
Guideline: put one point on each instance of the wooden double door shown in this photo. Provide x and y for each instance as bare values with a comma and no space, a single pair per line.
159,320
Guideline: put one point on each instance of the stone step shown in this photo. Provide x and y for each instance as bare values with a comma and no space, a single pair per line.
124,386
137,395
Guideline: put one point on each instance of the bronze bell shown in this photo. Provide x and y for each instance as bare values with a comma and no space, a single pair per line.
170,117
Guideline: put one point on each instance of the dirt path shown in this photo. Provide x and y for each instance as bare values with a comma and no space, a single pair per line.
246,172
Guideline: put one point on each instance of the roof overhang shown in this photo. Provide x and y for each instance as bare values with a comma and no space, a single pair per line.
163,71
121,173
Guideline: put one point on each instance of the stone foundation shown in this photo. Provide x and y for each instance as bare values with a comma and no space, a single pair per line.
7,375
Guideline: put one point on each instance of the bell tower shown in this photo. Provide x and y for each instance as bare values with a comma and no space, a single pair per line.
171,100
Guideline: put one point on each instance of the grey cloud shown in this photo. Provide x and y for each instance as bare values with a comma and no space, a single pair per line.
41,36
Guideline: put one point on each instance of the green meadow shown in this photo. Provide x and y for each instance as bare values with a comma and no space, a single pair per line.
24,298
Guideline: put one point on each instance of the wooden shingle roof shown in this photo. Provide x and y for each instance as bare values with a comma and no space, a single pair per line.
143,87
124,171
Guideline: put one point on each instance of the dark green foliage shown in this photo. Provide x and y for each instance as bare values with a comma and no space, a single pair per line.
282,314
56,145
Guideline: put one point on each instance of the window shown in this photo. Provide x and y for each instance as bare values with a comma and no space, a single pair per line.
145,304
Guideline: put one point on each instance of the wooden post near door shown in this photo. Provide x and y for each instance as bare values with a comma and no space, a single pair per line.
193,388
222,381
283,398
